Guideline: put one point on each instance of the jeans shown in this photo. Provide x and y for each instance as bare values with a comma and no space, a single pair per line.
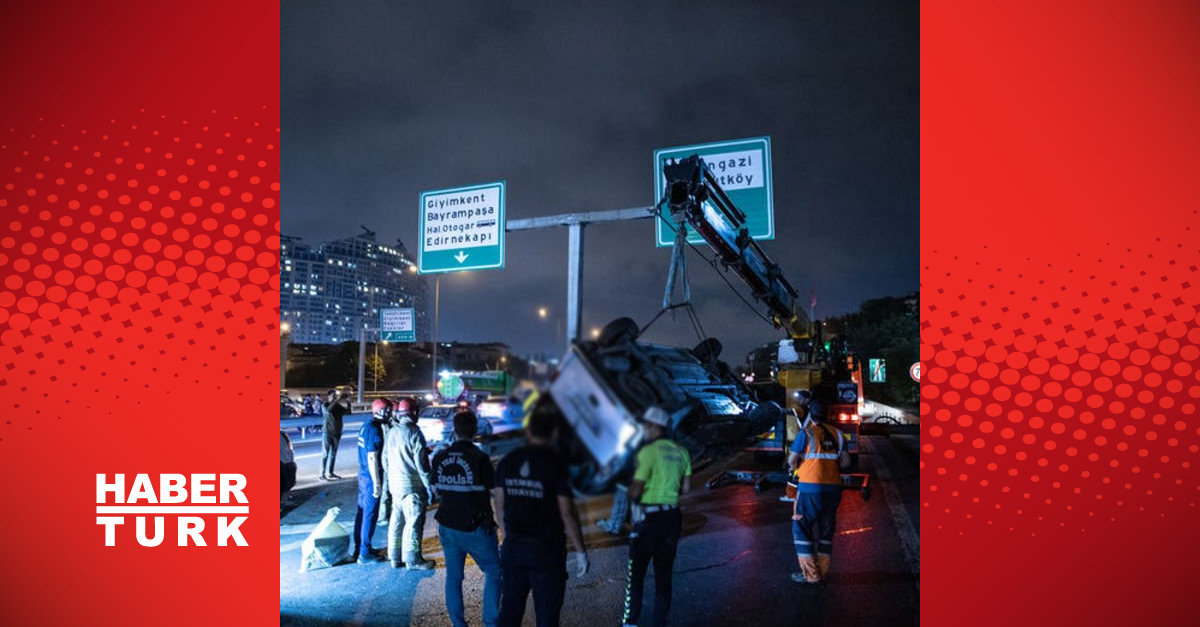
654,539
620,511
407,525
482,546
813,533
532,564
365,519
331,437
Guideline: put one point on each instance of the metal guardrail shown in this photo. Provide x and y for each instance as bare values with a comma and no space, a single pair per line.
303,424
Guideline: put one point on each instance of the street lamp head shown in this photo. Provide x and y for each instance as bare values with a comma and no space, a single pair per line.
543,312
285,327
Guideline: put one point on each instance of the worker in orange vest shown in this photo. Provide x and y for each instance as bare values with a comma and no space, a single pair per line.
815,458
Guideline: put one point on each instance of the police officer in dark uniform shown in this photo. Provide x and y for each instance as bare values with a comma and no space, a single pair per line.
463,478
370,480
536,509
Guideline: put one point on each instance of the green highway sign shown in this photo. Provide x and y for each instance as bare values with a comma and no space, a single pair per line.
878,370
462,229
742,167
398,324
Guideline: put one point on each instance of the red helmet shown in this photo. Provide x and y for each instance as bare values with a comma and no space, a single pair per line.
405,407
381,407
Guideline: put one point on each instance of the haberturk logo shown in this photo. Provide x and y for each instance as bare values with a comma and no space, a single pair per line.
193,502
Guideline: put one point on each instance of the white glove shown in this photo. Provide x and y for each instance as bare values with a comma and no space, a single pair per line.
581,564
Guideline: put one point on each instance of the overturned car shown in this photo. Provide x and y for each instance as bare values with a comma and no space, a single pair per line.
604,386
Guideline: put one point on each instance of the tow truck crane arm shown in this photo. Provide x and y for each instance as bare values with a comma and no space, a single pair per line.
695,199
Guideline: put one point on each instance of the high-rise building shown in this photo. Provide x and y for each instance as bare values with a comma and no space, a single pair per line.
331,291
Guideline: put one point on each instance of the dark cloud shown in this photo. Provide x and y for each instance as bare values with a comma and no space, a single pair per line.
567,101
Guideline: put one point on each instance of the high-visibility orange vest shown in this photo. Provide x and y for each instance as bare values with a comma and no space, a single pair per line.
820,462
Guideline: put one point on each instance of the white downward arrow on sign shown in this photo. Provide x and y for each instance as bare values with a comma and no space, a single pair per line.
461,256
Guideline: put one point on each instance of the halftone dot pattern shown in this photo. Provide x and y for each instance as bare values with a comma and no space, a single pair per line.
123,262
1061,398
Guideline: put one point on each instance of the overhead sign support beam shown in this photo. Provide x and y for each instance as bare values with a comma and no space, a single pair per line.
575,222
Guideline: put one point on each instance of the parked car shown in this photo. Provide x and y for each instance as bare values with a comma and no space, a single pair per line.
504,413
287,465
289,407
437,425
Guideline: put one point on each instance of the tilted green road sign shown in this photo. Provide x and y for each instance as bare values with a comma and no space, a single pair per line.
742,168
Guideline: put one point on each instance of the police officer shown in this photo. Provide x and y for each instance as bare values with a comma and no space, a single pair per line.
463,478
408,479
815,457
370,477
663,472
333,411
536,509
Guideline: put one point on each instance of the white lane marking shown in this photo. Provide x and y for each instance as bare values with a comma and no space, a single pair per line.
910,539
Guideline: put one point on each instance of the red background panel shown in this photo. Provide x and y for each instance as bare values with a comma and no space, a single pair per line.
139,239
1060,339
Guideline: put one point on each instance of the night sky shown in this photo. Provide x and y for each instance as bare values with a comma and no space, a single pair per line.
567,101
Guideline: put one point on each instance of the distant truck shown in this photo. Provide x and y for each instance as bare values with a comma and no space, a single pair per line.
476,385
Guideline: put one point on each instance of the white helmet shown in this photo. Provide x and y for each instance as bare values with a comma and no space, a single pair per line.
656,416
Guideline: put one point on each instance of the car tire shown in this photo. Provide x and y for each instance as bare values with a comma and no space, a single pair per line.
619,331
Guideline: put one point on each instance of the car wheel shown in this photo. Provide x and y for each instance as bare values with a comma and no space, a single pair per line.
619,331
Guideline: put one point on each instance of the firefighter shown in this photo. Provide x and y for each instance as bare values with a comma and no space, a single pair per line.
408,479
370,477
815,458
664,471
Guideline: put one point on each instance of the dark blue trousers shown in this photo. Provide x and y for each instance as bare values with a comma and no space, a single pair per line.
365,520
813,533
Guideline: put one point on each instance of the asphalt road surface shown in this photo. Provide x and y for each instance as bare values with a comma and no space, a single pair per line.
732,567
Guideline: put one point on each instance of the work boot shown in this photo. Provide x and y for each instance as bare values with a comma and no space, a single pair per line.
370,558
808,568
416,562
324,477
800,578
824,561
334,477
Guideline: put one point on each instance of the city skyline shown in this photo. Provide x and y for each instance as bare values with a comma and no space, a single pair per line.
330,291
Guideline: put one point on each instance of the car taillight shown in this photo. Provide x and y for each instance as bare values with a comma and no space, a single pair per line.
845,417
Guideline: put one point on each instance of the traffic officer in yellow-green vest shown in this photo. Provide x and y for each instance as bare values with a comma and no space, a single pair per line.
815,458
664,471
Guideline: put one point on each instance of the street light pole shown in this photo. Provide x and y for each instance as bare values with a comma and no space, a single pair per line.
362,358
437,298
